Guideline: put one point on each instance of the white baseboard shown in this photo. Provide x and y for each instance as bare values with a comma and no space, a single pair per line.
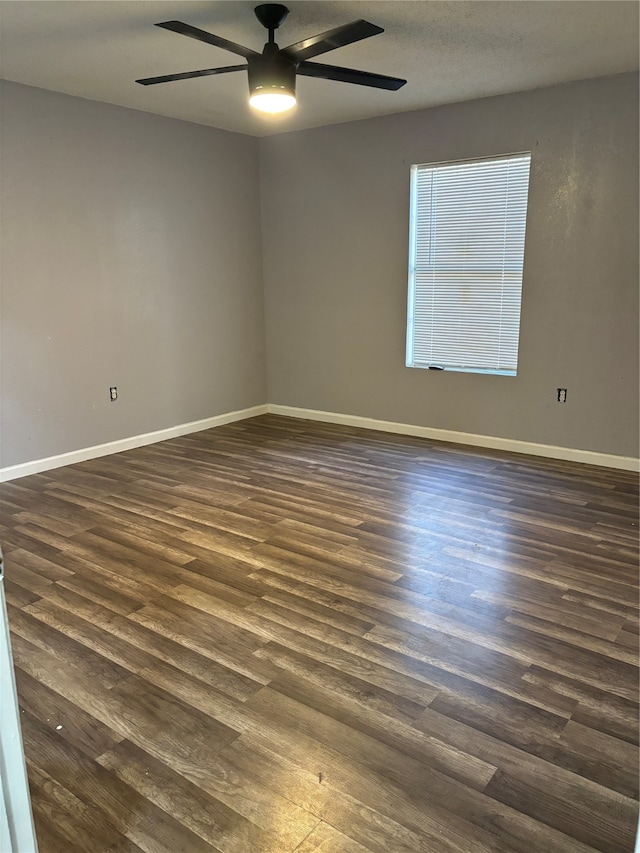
38,465
569,454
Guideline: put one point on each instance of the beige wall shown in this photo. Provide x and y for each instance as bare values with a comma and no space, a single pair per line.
335,224
130,257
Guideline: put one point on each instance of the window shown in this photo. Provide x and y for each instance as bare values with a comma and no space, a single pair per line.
466,257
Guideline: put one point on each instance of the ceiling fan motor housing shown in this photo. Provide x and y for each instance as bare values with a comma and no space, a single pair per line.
272,71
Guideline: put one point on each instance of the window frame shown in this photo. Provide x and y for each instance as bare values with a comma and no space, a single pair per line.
410,360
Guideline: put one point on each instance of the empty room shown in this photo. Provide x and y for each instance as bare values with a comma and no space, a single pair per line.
319,427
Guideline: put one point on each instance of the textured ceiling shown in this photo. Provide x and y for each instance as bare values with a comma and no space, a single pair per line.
448,51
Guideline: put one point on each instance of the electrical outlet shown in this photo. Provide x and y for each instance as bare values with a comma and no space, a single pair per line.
113,393
562,395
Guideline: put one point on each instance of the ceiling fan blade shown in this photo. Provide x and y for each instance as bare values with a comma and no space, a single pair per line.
187,75
209,38
341,36
350,75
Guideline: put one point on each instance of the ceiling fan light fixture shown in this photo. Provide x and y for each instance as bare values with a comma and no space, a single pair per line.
272,99
272,81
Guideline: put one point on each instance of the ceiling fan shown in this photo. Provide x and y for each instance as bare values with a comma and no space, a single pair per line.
272,73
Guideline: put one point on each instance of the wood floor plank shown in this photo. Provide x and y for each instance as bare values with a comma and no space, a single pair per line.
599,829
208,817
28,580
59,714
357,812
339,683
80,825
211,637
158,644
151,717
472,728
509,719
595,708
563,612
93,589
159,832
390,680
18,595
86,780
437,672
600,757
284,636
361,736
30,632
463,816
325,839
35,564
553,783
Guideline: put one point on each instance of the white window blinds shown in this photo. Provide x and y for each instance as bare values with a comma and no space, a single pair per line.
465,264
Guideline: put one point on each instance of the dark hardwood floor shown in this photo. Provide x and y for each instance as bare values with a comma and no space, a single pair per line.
284,636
